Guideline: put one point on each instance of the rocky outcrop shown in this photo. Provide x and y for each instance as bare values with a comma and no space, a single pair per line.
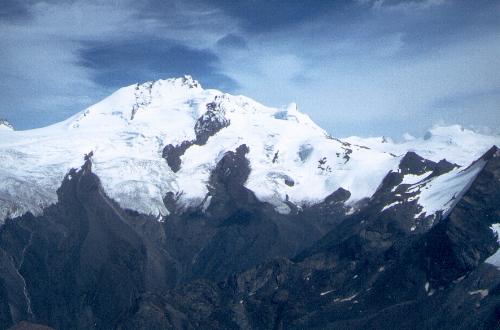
211,122
172,154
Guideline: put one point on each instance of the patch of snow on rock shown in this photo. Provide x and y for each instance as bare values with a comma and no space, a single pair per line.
495,258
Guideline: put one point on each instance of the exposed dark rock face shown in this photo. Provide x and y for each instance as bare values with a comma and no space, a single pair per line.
276,156
289,181
172,154
232,171
414,164
236,231
235,263
392,191
211,122
443,166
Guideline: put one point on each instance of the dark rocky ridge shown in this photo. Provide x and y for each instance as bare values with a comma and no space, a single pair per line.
393,192
237,263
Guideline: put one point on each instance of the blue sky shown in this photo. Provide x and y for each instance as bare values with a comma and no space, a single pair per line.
356,67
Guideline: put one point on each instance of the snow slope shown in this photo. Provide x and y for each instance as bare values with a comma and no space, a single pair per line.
290,156
435,194
441,193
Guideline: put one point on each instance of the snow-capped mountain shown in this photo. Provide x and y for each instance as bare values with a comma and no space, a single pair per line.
168,206
133,131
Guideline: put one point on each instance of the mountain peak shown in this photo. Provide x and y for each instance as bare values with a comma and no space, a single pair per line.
168,135
184,81
189,81
5,125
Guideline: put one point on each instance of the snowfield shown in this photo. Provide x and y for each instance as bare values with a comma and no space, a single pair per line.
454,143
290,156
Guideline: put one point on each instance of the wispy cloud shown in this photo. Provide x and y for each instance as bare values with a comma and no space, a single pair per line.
58,57
407,5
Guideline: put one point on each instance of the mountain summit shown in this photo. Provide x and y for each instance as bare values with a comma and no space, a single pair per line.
168,206
168,135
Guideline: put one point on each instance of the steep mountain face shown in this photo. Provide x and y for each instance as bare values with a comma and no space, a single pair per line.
83,261
198,209
364,274
134,130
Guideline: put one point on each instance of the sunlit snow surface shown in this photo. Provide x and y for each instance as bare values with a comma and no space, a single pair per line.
454,143
128,130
